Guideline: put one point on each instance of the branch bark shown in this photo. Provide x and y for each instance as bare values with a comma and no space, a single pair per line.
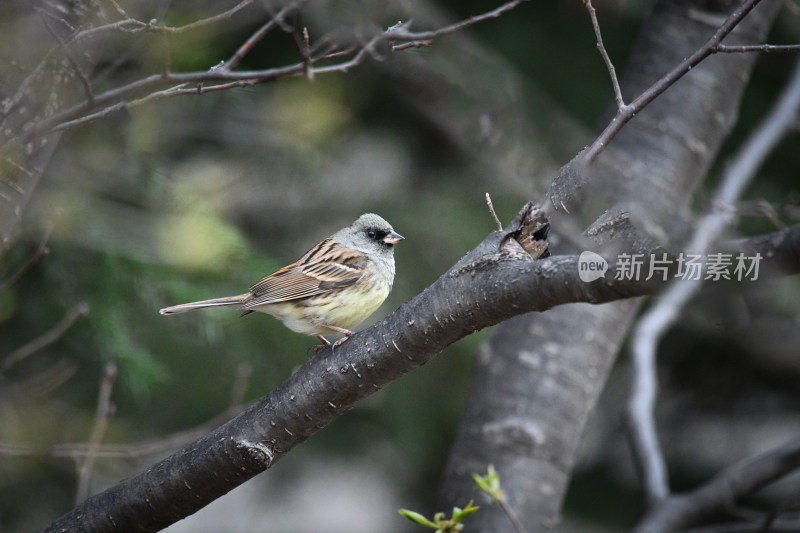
538,378
495,281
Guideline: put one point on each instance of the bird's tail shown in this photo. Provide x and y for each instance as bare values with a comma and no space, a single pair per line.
228,301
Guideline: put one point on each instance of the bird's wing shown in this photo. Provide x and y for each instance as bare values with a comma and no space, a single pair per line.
326,267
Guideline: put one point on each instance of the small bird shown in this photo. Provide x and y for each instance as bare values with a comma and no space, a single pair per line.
331,288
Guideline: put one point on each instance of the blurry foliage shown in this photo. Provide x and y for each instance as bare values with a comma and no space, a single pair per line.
201,196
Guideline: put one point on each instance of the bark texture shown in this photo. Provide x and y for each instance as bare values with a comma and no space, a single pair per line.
538,378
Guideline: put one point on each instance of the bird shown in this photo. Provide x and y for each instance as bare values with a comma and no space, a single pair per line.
334,286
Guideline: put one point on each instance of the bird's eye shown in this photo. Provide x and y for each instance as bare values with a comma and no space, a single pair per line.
376,234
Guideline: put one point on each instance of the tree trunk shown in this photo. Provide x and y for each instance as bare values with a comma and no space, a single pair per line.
538,378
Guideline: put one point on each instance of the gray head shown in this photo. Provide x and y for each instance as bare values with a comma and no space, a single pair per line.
369,233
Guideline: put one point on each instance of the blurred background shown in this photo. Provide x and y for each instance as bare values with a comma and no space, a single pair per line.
200,196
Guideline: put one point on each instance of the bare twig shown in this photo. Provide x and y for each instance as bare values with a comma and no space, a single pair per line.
79,310
519,527
762,208
118,8
653,325
492,212
609,65
626,113
412,44
40,384
117,98
305,50
41,252
399,32
134,450
79,451
126,25
105,410
259,34
727,49
198,23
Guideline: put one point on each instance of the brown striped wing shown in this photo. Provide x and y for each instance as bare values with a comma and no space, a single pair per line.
326,267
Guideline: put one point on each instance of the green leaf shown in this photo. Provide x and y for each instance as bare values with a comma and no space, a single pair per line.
459,515
417,518
490,484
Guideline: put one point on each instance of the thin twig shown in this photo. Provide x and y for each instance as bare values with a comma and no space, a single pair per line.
492,212
115,99
305,50
727,49
78,451
412,44
400,33
135,450
105,410
40,384
625,114
259,34
512,516
652,326
203,22
126,25
41,252
118,8
49,337
606,59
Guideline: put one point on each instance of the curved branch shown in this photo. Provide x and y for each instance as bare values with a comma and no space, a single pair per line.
495,281
723,490
653,325
627,112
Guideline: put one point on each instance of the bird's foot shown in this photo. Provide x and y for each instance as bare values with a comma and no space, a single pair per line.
346,332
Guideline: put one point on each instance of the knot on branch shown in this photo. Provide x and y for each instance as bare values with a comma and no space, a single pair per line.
525,238
258,454
528,239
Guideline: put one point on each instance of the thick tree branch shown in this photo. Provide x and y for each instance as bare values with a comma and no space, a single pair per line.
495,281
538,378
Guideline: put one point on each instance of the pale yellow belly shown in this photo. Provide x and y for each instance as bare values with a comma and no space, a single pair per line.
343,309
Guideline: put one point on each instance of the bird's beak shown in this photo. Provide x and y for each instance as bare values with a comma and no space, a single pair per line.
393,238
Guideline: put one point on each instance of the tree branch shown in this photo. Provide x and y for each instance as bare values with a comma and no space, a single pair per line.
136,92
722,491
626,113
660,317
537,379
606,59
105,410
78,311
493,282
